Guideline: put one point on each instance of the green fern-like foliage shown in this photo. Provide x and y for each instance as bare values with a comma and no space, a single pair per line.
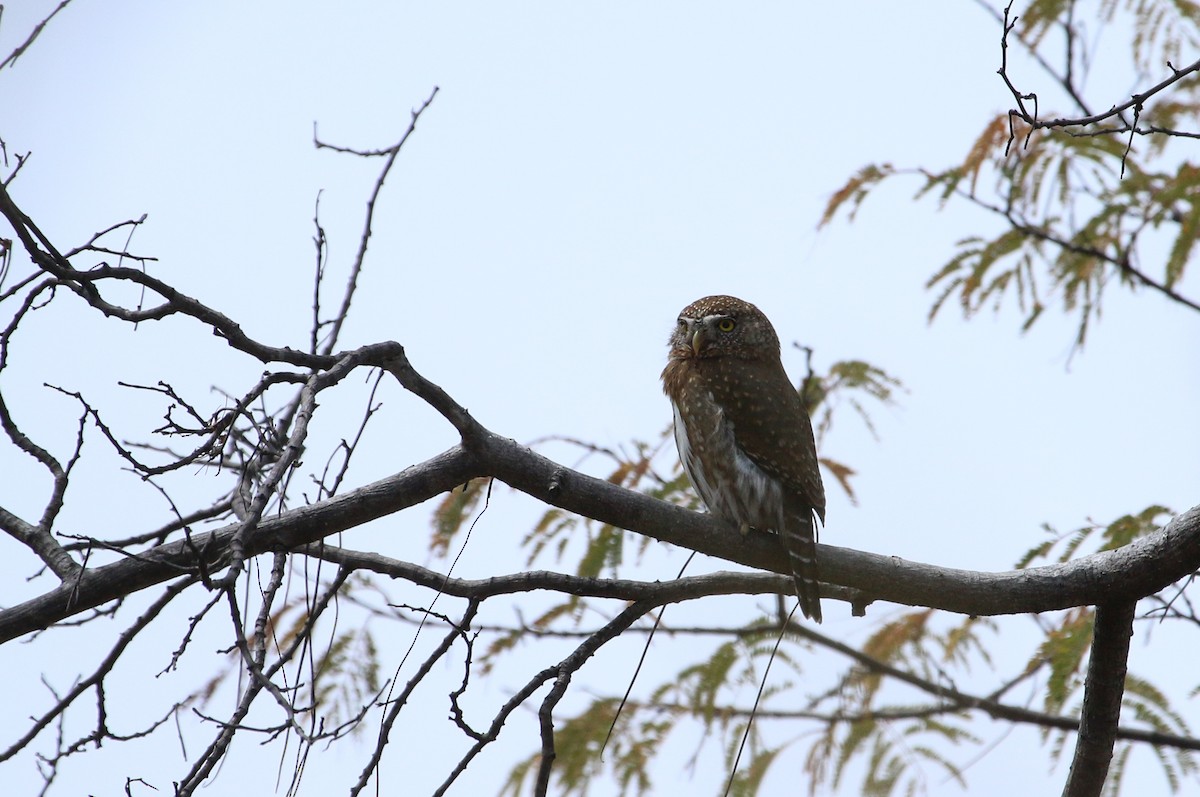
1083,205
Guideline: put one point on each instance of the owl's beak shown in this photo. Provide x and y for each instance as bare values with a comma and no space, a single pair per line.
697,341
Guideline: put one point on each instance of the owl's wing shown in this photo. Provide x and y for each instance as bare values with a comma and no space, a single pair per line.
771,426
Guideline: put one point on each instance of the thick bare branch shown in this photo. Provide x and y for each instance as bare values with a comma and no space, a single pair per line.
1102,693
42,543
1134,571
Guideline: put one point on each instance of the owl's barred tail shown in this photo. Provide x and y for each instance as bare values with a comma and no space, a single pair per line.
800,540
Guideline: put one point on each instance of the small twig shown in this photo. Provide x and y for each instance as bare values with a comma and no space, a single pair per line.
562,673
216,750
1065,80
1122,262
1136,102
37,30
103,669
401,700
1137,114
391,153
1133,102
456,712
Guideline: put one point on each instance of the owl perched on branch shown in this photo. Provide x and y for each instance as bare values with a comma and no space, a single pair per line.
743,434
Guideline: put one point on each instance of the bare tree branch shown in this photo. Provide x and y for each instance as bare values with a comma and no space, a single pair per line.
96,679
392,153
1136,570
1120,260
400,701
1134,103
562,679
1102,694
40,542
29,40
300,526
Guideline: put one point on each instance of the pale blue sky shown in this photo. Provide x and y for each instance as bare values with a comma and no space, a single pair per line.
585,171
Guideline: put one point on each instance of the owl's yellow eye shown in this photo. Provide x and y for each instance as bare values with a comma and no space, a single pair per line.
726,324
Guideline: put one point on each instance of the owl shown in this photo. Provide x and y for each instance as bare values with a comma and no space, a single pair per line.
743,434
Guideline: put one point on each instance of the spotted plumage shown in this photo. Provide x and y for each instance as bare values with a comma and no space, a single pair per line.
743,434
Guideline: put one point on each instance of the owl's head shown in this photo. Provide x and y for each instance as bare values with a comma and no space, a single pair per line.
723,326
